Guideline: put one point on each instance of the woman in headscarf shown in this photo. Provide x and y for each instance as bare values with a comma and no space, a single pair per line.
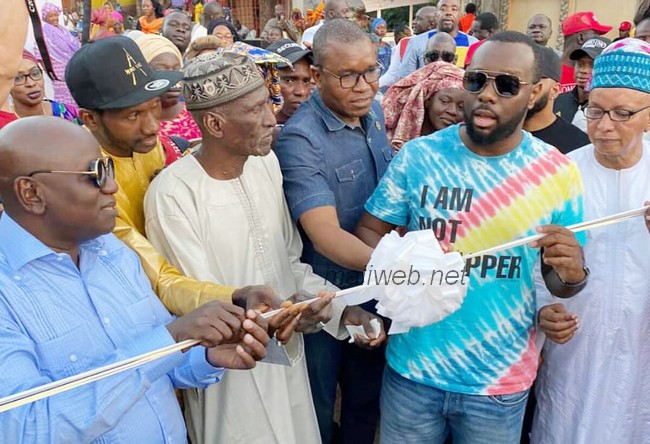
61,45
152,16
224,31
426,101
104,21
162,54
379,27
266,62
28,96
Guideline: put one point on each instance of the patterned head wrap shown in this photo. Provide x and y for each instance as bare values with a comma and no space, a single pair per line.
376,22
219,78
49,7
266,62
404,103
623,64
29,56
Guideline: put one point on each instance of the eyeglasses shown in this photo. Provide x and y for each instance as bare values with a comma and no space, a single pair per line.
506,85
615,115
35,74
433,56
350,80
100,170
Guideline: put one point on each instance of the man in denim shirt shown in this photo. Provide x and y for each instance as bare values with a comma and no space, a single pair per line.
333,151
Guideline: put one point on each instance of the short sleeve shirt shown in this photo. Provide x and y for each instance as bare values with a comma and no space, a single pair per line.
487,347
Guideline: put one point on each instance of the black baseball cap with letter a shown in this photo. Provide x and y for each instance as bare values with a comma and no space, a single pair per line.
112,73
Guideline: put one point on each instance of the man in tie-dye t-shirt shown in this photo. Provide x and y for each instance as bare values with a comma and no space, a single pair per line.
476,186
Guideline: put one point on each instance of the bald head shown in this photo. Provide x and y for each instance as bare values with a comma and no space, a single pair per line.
40,143
441,41
539,28
425,19
212,11
40,162
335,9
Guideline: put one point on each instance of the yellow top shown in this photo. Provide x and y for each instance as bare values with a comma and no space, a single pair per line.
179,293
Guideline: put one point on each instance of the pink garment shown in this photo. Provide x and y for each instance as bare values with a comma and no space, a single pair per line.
61,45
183,125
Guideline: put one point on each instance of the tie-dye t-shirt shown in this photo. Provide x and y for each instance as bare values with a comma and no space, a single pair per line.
487,347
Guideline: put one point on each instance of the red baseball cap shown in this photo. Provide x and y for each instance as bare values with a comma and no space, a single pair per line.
625,26
581,21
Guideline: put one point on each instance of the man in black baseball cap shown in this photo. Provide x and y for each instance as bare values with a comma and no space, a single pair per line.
119,102
295,82
540,119
112,73
567,104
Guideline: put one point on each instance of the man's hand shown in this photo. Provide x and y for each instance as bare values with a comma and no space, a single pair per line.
243,354
557,323
256,297
647,216
562,252
315,313
283,324
354,315
212,323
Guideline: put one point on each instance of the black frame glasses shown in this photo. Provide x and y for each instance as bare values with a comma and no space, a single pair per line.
349,81
35,74
505,84
99,170
615,115
435,55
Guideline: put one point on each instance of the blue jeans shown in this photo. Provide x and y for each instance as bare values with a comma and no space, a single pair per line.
416,413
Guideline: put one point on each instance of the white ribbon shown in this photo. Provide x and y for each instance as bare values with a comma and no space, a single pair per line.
415,283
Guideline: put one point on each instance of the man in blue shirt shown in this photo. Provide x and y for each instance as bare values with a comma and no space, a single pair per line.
73,298
448,11
333,151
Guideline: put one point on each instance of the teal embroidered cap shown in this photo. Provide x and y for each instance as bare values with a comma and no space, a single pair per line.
623,64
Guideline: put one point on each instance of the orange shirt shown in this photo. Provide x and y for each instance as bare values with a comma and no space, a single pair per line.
152,27
465,22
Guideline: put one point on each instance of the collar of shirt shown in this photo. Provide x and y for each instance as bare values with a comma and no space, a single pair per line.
20,247
334,122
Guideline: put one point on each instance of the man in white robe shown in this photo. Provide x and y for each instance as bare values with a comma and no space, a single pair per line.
220,215
593,386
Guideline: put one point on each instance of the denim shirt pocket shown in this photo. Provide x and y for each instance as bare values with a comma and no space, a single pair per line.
348,177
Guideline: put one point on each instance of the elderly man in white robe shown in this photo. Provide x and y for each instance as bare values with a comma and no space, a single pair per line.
220,215
593,386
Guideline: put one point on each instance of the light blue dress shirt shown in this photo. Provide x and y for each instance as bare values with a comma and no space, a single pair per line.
57,320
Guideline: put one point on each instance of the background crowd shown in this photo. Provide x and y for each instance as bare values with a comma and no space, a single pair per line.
231,174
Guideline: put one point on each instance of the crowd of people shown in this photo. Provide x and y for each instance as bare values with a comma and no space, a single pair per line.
181,181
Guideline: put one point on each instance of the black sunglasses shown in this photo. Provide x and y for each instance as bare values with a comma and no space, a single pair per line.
99,170
506,85
434,56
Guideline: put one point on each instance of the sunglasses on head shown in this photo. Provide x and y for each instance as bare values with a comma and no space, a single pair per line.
99,170
434,56
506,85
